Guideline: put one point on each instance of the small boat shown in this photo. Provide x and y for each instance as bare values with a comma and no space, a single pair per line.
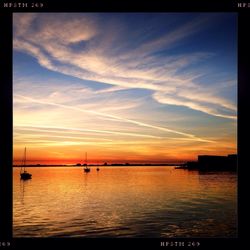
24,175
86,168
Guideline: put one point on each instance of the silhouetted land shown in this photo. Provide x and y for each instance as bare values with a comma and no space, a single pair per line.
212,163
204,163
105,165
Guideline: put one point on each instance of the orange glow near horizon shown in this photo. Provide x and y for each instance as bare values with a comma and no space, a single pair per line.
96,155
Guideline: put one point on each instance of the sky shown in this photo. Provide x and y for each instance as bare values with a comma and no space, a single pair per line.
124,87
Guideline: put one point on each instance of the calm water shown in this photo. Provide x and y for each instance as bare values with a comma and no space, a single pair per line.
124,202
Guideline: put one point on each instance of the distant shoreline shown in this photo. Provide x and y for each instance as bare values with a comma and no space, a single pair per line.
101,165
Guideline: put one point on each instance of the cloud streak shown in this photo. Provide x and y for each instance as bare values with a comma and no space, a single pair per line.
98,131
54,46
199,104
115,118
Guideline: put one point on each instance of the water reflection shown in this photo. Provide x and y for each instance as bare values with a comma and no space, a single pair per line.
22,190
125,202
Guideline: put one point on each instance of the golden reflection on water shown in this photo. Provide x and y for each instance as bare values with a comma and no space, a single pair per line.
124,202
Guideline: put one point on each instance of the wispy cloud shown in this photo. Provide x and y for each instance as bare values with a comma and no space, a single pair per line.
136,86
55,129
172,37
54,40
200,103
115,118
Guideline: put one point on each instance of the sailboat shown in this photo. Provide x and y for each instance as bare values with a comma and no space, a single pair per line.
24,175
86,168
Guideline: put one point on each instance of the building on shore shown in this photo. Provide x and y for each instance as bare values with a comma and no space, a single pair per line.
213,162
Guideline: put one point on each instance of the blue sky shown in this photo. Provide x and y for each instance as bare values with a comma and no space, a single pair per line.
125,86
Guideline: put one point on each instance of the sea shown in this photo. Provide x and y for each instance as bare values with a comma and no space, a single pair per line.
124,202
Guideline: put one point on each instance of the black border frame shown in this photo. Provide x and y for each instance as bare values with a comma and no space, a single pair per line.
119,6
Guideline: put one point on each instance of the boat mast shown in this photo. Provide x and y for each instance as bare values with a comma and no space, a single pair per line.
86,163
23,161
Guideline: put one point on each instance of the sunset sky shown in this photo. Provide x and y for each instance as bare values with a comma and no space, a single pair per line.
124,87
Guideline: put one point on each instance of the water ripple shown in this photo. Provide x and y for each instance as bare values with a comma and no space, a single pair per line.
125,202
